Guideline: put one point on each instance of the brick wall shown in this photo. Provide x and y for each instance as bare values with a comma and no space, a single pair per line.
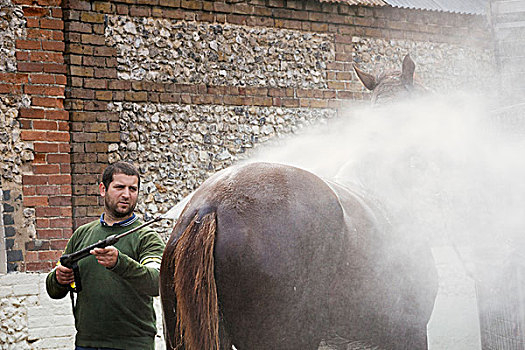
41,76
67,76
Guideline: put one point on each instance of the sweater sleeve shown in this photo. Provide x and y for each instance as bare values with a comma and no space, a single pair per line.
143,274
54,289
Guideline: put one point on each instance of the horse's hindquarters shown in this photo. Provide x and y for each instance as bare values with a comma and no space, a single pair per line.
275,257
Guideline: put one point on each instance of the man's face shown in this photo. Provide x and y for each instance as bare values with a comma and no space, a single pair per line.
120,198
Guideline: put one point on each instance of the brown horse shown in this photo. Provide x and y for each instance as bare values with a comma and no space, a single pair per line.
391,85
269,256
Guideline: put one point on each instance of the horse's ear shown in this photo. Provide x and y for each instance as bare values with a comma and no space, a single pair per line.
368,80
407,73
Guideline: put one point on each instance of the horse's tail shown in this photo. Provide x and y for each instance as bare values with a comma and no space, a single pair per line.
194,281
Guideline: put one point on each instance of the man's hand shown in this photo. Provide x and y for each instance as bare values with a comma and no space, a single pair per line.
64,275
106,256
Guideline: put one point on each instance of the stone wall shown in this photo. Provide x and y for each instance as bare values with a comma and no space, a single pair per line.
18,223
186,88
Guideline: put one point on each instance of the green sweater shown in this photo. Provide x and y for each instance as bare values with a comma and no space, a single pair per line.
115,307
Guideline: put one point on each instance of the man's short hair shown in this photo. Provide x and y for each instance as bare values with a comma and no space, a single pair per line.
120,167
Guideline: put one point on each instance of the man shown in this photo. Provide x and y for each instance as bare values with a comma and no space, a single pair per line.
114,309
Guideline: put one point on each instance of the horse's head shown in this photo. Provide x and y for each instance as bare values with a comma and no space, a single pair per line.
391,85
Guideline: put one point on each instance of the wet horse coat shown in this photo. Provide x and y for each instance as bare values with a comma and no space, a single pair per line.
268,256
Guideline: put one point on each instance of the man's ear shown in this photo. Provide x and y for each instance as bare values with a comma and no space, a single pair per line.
102,189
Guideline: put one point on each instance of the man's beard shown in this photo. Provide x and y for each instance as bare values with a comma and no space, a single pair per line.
119,214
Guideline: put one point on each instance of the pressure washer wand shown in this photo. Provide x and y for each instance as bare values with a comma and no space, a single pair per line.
71,260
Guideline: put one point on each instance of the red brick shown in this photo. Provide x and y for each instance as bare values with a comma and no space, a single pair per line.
42,78
26,124
53,45
44,232
60,222
41,222
30,135
56,3
30,67
32,22
35,201
60,179
60,244
48,102
37,33
35,180
29,190
68,189
57,114
52,211
46,56
58,158
58,35
64,148
22,56
55,67
61,201
45,266
57,12
53,255
57,136
60,79
46,169
63,126
46,190
10,89
45,125
44,90
65,168
52,23
44,147
40,158
28,44
32,11
31,256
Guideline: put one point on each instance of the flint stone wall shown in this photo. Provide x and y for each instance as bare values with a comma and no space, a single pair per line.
12,27
162,50
178,146
15,155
